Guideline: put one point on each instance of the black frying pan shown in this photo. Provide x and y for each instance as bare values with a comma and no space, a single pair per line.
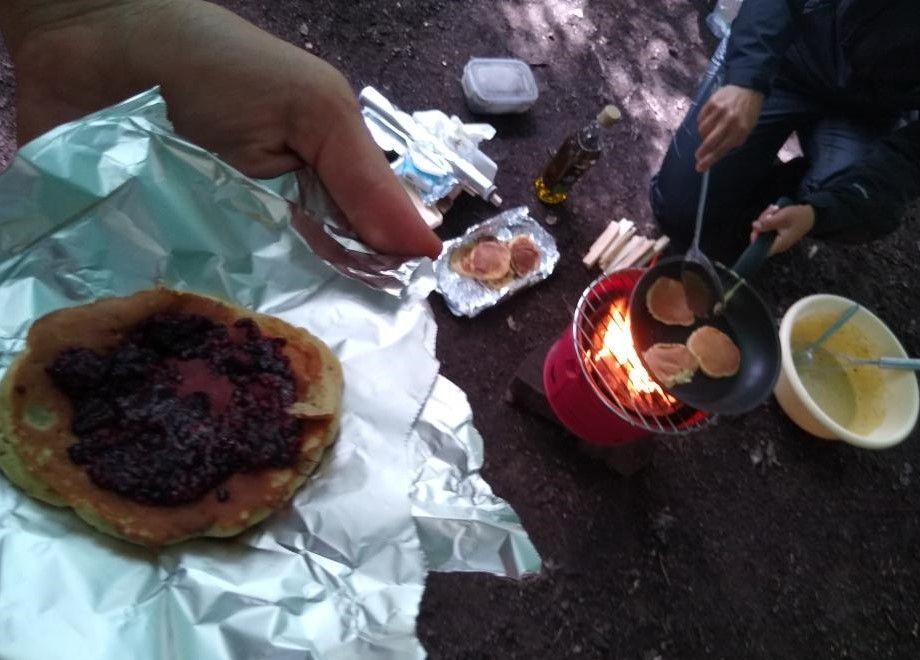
743,317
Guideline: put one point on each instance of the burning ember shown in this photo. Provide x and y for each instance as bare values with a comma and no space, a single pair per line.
618,365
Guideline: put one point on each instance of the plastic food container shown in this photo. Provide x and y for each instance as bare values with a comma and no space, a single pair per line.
901,391
499,86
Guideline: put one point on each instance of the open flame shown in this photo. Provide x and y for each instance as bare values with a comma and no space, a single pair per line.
616,345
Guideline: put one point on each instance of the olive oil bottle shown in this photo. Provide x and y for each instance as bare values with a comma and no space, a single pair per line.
574,157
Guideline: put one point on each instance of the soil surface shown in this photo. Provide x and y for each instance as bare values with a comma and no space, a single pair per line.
749,539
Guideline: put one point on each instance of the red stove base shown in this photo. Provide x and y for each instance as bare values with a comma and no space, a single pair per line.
575,403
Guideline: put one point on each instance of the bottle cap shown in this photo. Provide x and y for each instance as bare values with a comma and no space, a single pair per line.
608,116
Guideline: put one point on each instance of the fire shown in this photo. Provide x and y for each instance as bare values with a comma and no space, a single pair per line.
617,344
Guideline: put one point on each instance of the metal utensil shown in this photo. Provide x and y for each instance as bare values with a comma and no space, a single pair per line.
906,364
802,358
702,285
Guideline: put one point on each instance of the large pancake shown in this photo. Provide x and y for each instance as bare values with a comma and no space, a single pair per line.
667,302
35,422
717,354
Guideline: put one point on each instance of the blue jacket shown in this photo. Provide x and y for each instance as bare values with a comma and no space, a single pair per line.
862,56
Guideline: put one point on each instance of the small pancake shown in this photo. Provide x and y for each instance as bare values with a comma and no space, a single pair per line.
36,422
487,260
670,364
717,354
667,302
525,255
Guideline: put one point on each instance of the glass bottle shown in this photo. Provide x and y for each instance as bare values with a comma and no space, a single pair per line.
573,158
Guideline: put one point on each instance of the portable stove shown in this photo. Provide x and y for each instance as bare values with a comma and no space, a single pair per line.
594,381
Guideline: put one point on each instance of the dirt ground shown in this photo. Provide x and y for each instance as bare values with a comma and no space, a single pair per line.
751,539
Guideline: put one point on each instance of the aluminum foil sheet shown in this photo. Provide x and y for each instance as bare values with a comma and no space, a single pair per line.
462,524
468,297
115,203
323,226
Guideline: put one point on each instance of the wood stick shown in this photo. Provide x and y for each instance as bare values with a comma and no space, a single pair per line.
618,244
657,249
625,230
628,248
642,255
630,254
602,243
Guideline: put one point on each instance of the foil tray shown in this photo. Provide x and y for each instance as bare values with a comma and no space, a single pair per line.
469,297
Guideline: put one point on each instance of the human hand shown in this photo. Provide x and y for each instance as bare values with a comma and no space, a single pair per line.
725,122
261,104
790,223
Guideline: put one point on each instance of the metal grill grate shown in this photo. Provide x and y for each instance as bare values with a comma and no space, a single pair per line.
613,369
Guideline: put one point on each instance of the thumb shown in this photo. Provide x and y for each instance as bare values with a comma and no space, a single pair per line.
772,219
357,175
782,223
769,220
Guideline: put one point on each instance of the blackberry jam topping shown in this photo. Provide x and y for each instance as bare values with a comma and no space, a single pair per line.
180,405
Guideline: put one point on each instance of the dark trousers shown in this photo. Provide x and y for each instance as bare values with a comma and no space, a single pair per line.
749,178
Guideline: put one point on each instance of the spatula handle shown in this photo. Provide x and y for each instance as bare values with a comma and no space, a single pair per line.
701,209
836,325
908,364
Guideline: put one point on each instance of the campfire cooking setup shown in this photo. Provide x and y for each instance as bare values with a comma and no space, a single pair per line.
564,437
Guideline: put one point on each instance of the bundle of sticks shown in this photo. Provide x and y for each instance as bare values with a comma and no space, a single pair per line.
619,247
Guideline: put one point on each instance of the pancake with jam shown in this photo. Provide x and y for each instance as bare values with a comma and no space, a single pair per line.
164,415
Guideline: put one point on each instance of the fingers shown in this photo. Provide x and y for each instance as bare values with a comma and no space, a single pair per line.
264,165
767,214
707,117
357,175
724,123
724,134
712,148
790,224
771,220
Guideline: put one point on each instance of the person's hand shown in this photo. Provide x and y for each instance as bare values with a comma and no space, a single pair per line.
790,223
725,122
263,105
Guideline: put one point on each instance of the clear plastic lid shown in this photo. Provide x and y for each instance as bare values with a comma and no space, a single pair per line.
499,85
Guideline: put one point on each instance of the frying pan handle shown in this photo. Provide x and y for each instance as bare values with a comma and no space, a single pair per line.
753,258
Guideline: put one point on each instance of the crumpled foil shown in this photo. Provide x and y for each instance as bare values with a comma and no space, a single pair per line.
466,296
115,203
462,525
323,226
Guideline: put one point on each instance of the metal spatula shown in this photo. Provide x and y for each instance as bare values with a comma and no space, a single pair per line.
702,285
803,357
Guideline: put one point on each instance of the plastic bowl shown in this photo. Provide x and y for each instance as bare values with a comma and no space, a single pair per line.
901,392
